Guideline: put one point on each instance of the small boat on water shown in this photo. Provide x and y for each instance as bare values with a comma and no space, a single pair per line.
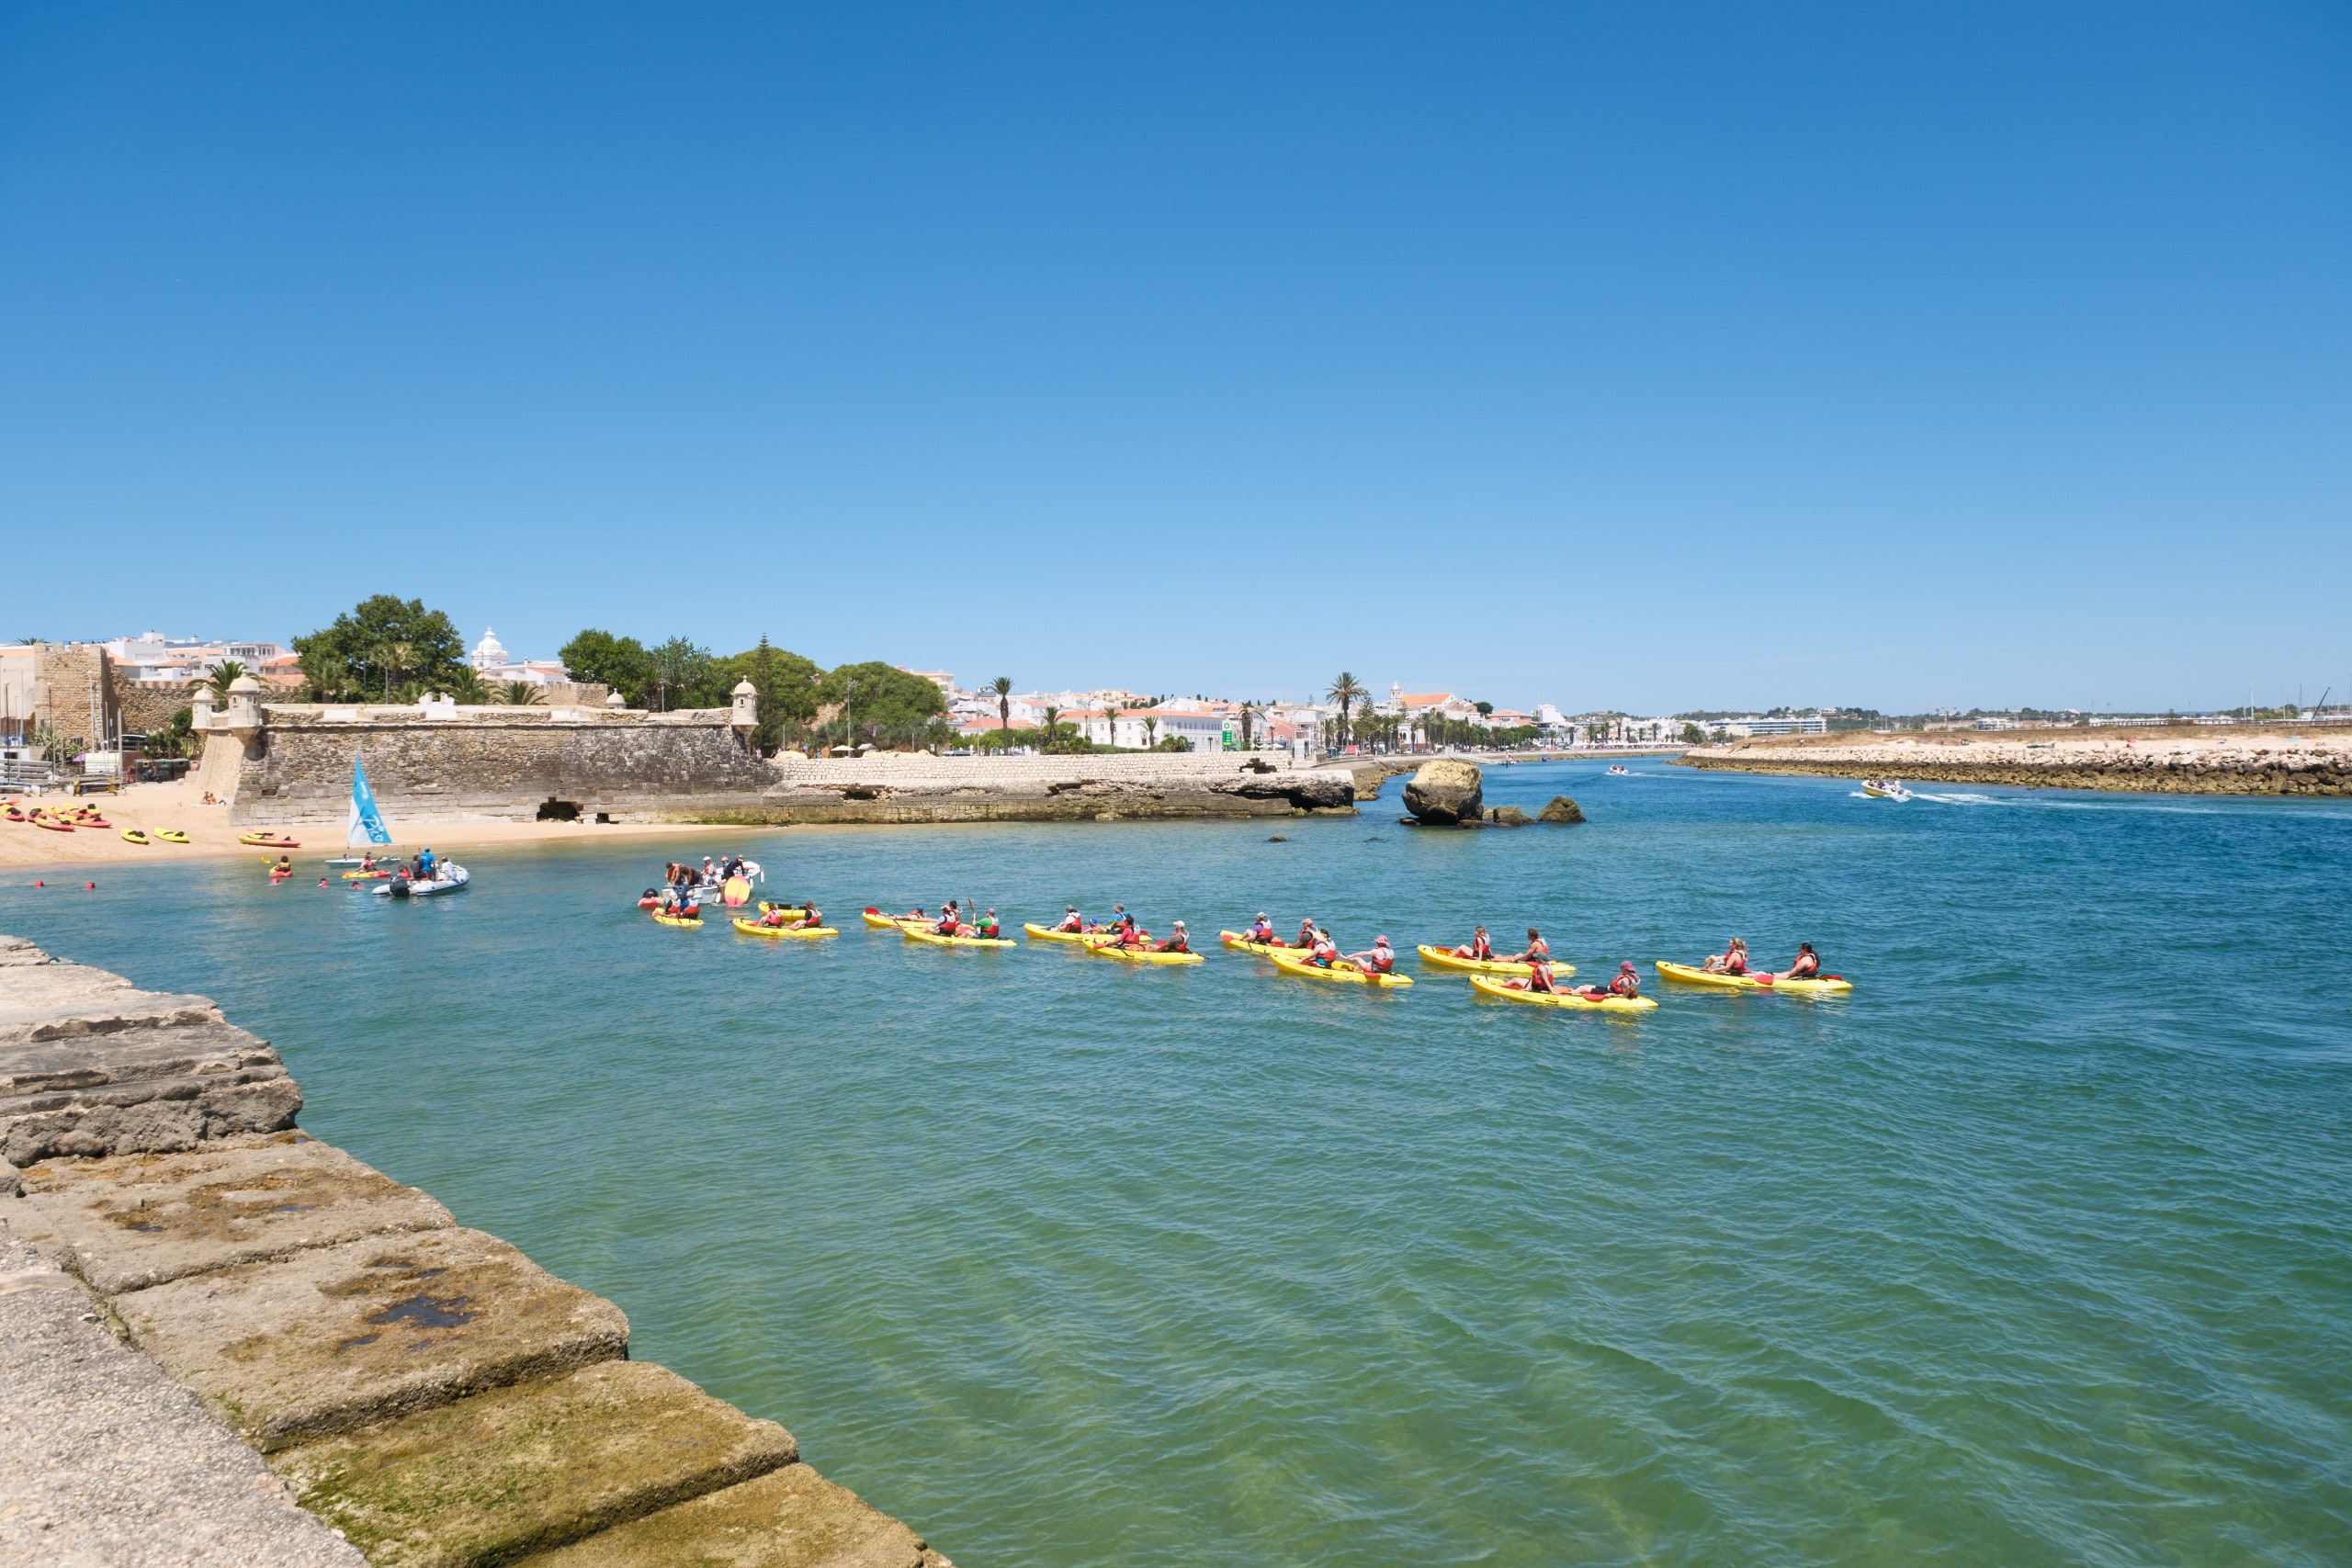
449,877
1884,789
1619,768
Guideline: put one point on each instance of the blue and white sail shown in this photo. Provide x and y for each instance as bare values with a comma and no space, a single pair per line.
364,816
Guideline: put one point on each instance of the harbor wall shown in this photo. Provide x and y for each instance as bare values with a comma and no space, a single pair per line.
424,1388
2162,761
508,764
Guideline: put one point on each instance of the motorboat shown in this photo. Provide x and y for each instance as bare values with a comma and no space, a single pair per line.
448,877
1620,769
1884,789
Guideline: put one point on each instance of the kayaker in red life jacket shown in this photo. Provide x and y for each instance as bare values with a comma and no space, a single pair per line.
1731,960
949,921
1539,979
1805,966
987,927
1480,946
1306,934
1177,942
1325,951
1536,948
810,914
1071,920
1379,961
1261,929
1627,984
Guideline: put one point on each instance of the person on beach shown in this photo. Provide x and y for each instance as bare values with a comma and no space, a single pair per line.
1379,961
1071,920
1805,966
1627,984
1177,942
1536,948
1262,930
1480,946
1731,960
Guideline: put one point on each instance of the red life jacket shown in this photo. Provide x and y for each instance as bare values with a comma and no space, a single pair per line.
1481,948
1625,985
1381,961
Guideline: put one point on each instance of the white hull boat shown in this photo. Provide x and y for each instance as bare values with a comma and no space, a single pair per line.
453,878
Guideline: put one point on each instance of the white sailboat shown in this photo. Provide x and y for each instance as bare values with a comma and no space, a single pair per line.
364,818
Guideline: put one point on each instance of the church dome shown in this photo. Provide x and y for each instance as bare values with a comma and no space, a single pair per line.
490,653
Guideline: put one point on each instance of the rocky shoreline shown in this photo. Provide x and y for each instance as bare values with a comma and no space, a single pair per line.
2166,761
426,1392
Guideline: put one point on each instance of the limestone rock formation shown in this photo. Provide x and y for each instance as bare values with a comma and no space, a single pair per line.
1560,809
1446,792
1508,816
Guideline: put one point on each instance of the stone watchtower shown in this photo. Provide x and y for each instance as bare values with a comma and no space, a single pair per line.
743,715
244,710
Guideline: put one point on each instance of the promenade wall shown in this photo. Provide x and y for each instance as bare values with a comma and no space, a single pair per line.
427,1390
510,765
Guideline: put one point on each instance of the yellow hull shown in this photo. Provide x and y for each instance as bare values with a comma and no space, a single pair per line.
915,933
694,925
887,922
1443,958
1140,955
171,836
1503,993
1240,943
1690,975
1084,939
754,928
133,836
1347,974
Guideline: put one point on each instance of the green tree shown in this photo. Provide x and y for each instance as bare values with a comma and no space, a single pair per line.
1693,736
883,704
467,685
1003,687
520,694
619,662
378,644
1343,694
220,677
785,682
682,669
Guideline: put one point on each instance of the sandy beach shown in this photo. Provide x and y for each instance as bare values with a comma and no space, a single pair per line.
180,805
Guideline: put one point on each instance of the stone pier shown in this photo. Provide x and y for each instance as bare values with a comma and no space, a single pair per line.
427,1394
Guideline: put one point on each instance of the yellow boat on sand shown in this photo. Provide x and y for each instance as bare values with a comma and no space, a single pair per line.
133,836
1341,973
1567,999
170,836
1443,958
1690,975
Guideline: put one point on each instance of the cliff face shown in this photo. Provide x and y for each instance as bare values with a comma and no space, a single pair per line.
425,1389
2161,763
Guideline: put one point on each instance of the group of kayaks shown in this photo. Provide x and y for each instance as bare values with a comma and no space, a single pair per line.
800,930
1487,977
88,818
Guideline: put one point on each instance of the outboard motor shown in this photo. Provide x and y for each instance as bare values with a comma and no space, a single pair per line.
400,885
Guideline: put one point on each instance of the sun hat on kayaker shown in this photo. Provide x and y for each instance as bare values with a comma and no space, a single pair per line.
1380,941
1627,965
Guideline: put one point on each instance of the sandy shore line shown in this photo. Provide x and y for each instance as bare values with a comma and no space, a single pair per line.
154,806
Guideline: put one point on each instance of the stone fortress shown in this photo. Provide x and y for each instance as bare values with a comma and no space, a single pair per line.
282,764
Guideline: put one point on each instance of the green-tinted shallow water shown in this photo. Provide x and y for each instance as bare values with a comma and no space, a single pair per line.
2036,1250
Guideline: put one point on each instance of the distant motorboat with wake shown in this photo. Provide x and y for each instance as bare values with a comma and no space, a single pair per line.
1884,789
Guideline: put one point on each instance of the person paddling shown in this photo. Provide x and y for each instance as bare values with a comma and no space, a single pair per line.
1177,941
988,930
1536,948
1379,961
1480,946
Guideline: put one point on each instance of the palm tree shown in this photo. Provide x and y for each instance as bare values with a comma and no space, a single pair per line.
1053,726
1003,687
220,676
468,686
1248,712
1152,729
521,695
1344,692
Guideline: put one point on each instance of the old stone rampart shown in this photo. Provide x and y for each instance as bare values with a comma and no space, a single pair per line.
509,765
427,1390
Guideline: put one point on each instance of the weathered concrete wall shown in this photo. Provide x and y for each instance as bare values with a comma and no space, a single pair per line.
506,764
427,1390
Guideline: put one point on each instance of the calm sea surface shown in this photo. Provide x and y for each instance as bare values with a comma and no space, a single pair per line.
2038,1249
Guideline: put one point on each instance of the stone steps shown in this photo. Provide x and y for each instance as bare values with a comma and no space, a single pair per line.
424,1388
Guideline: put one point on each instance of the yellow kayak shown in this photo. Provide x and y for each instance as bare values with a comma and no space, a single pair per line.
1341,973
1139,954
916,933
133,836
1443,958
876,917
170,836
1084,939
366,876
1240,943
662,919
1690,975
1503,993
754,928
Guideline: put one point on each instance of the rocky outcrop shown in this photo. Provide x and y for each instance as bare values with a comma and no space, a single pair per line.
1560,809
1508,816
1446,792
427,1389
2155,765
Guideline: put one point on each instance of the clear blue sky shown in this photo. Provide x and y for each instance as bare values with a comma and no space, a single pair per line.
1641,356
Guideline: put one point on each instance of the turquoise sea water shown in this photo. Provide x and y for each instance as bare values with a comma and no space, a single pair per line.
2037,1249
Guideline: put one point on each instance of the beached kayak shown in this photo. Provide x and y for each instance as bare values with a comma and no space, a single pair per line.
661,919
170,836
133,836
916,933
1342,973
1084,939
754,928
1443,958
1240,943
1139,954
53,824
1501,992
1690,975
269,840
